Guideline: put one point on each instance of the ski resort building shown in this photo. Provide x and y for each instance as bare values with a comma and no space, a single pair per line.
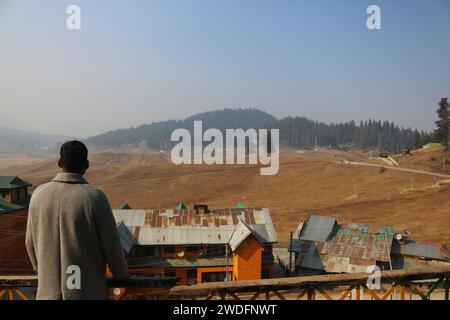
200,244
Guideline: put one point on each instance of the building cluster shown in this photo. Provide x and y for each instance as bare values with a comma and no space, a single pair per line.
321,245
202,244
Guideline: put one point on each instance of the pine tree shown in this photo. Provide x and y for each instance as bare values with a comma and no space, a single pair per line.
443,122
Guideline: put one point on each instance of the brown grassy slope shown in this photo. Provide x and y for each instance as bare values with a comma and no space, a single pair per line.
304,185
430,159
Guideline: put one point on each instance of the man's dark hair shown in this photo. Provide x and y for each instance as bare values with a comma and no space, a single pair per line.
73,155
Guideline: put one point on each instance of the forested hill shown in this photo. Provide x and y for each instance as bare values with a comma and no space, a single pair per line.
297,132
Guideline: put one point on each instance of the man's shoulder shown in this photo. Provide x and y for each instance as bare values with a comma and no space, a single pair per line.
43,188
86,188
93,192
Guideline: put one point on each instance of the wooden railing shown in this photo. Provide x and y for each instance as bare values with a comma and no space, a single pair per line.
395,285
24,287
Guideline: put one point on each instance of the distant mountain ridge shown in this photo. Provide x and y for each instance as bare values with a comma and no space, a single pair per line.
28,141
157,134
297,132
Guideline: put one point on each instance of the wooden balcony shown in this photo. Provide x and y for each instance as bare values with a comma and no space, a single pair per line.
419,284
135,287
396,284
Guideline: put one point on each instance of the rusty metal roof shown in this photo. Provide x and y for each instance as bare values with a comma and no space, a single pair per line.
353,247
335,264
173,226
310,257
359,245
346,248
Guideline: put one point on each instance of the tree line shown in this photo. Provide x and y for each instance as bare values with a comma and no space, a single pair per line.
296,132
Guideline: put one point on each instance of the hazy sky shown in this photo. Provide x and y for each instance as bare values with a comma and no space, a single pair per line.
137,61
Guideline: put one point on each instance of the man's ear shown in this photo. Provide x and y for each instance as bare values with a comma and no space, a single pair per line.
60,163
87,164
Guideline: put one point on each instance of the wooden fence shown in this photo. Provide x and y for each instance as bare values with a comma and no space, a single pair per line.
395,284
328,287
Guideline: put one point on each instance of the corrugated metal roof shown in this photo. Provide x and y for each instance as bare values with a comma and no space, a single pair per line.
152,227
316,228
412,248
309,254
160,262
353,247
126,238
130,217
349,248
309,257
409,263
6,206
346,264
241,232
12,182
359,245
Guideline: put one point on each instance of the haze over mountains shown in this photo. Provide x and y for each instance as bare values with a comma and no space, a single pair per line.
297,132
12,140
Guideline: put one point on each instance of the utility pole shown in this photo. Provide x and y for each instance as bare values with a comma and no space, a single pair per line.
226,262
446,151
447,119
290,253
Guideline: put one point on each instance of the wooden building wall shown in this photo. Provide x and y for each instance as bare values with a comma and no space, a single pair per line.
13,255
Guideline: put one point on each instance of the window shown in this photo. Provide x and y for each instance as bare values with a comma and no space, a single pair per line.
21,194
217,251
265,274
146,251
193,248
213,276
169,249
192,273
191,276
170,273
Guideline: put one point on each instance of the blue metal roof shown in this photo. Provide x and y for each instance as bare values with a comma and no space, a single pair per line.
317,228
412,248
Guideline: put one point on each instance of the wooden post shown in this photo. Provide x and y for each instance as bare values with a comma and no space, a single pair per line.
447,288
358,292
311,294
402,292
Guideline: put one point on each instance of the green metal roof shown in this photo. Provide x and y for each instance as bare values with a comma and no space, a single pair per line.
240,205
160,262
12,182
181,206
125,207
432,144
6,206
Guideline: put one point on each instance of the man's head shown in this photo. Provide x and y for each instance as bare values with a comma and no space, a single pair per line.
73,157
